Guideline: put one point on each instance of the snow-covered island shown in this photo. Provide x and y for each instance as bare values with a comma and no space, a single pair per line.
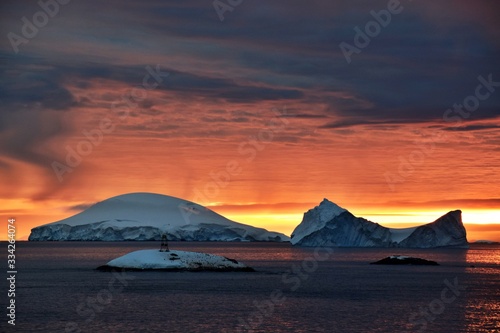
146,216
330,225
174,261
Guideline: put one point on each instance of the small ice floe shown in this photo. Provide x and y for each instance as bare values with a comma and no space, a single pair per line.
174,261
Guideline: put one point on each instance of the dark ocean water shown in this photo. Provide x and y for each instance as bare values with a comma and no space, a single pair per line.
293,290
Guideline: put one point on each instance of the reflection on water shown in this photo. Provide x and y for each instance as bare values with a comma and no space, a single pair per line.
341,294
483,315
483,306
484,255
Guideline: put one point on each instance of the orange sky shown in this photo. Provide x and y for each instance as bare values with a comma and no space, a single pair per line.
258,124
270,183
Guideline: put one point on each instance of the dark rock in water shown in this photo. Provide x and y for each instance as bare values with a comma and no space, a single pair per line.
403,260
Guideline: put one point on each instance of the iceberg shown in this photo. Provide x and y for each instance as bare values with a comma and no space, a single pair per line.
330,225
173,261
147,216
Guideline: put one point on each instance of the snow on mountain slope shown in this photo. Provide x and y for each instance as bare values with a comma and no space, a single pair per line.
145,216
398,234
346,230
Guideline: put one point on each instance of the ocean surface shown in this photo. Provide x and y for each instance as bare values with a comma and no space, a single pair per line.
293,290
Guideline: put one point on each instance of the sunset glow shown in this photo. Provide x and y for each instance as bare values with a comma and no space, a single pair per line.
258,123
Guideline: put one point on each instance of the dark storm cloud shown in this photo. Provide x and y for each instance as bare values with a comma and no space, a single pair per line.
32,99
230,90
409,73
416,68
23,134
407,66
380,125
476,127
46,85
413,71
33,93
24,85
384,117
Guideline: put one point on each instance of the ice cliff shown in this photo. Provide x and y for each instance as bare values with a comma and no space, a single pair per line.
331,225
146,216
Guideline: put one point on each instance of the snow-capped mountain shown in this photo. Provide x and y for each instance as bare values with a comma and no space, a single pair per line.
146,216
331,225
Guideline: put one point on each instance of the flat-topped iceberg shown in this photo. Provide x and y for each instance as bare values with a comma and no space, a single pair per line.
146,216
174,261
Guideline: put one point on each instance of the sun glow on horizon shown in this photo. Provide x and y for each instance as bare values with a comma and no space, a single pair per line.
286,222
283,223
283,218
481,216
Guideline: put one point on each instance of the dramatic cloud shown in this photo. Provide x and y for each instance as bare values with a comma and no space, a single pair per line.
476,127
268,87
